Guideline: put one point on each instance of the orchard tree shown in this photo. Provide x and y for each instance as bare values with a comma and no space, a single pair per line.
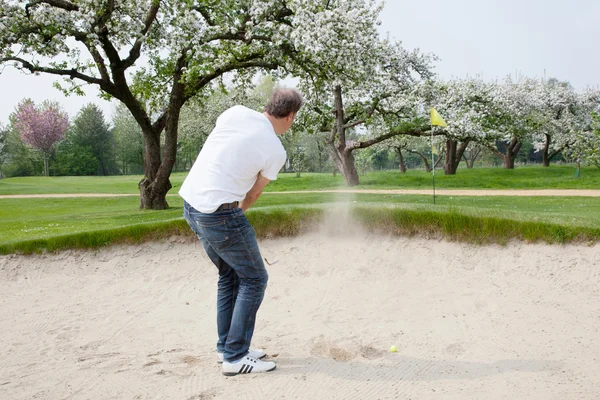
559,104
371,94
41,127
474,152
585,130
592,152
298,161
318,156
567,118
187,44
466,106
418,146
518,115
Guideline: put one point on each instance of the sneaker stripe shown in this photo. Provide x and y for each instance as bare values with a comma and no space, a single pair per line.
244,368
251,368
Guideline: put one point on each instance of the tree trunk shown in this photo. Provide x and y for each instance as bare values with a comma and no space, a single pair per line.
466,161
341,153
509,162
320,153
546,155
46,172
424,158
473,155
512,150
344,161
157,169
320,162
511,153
545,158
401,163
155,184
450,163
454,153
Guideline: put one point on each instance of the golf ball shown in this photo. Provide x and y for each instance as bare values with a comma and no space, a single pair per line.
393,349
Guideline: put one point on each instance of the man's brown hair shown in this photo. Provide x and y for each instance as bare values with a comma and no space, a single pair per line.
283,102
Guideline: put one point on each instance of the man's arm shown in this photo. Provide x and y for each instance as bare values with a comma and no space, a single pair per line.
255,192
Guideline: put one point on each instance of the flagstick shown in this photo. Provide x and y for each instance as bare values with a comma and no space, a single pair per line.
433,164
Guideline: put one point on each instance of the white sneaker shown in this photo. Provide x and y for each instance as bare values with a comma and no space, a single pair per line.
255,353
247,365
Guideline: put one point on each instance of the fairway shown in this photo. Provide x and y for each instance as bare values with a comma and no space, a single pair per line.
525,178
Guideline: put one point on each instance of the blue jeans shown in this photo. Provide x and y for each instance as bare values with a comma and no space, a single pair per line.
230,243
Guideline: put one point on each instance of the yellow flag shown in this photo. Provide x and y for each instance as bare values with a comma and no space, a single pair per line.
434,150
436,118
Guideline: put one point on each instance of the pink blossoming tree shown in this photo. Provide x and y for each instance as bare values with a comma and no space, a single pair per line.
41,127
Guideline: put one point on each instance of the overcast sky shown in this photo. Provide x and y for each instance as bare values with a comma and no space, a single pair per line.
492,38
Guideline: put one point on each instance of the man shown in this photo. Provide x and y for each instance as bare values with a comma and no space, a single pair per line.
240,157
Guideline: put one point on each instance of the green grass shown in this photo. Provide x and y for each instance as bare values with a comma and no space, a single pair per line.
70,184
530,177
454,225
34,224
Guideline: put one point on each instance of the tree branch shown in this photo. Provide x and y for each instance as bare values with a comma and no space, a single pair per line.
440,158
160,123
240,35
103,17
204,12
62,4
339,117
356,123
555,152
100,64
251,61
72,73
134,53
371,142
494,150
374,107
107,46
332,136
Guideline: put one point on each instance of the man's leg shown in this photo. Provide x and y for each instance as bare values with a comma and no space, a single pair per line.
226,295
244,257
228,280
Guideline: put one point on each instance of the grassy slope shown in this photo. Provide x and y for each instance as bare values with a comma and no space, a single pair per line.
28,225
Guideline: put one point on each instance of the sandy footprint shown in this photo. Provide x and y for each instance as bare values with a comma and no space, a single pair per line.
323,348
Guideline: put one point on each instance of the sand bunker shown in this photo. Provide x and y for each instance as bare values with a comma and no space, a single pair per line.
138,322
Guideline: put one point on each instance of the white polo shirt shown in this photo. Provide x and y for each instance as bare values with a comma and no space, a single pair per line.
242,144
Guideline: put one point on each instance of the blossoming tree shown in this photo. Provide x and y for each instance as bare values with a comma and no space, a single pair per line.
371,93
185,45
41,127
466,106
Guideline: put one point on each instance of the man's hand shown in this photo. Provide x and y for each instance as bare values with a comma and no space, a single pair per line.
255,192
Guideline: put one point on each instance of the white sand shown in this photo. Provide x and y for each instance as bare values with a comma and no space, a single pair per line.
138,322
